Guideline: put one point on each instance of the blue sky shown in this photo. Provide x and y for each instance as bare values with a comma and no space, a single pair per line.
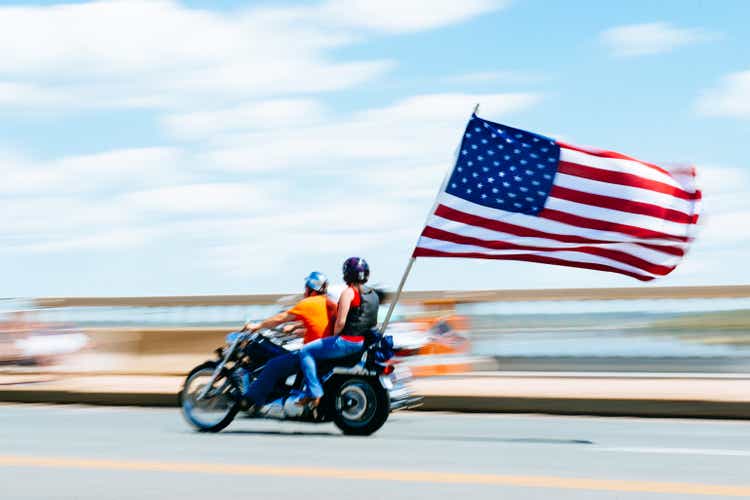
165,147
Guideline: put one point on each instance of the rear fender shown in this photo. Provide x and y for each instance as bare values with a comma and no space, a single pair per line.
380,382
358,370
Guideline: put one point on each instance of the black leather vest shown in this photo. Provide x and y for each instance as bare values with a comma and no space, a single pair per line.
362,319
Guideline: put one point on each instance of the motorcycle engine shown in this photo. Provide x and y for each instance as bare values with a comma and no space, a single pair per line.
291,408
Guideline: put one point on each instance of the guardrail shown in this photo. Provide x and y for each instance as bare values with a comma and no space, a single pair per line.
420,297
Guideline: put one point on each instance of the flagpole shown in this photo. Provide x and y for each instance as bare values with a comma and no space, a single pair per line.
413,259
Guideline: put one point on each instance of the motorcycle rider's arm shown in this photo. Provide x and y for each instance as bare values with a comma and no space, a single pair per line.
345,302
282,317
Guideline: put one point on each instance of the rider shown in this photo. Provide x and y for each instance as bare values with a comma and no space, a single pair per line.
357,316
316,312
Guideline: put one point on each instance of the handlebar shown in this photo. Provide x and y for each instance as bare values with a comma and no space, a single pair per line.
275,334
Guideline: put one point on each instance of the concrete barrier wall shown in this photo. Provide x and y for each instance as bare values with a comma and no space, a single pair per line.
156,341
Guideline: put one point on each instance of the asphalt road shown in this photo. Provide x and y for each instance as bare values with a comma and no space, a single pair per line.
77,452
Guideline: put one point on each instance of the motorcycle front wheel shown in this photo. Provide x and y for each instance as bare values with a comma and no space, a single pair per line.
217,409
360,406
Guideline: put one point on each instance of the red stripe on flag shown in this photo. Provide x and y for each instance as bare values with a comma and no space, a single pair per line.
504,227
623,179
617,255
633,207
610,154
603,225
426,252
677,251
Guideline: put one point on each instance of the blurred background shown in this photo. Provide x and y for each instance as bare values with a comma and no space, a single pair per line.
698,329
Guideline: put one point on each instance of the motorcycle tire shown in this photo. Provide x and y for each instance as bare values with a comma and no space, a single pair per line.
186,405
360,406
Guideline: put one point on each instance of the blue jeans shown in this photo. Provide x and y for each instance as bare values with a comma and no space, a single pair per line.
327,348
276,369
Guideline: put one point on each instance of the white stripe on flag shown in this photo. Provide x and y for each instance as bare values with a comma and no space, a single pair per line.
618,165
546,225
629,193
617,216
466,230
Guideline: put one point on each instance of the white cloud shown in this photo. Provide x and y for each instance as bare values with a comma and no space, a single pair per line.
650,38
115,37
385,164
722,229
725,206
13,93
262,168
268,114
417,129
77,202
730,98
161,54
158,53
406,15
46,218
212,198
453,107
100,172
409,182
328,230
721,181
117,240
484,77
393,157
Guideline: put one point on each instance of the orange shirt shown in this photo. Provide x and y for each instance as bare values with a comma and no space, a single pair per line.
316,314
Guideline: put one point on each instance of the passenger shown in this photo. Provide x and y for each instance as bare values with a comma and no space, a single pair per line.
357,316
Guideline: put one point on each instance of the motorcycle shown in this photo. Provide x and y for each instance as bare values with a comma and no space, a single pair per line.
361,390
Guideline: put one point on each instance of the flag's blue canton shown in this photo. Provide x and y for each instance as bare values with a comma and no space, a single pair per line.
503,167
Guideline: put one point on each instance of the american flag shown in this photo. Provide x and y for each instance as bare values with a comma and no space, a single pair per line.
517,195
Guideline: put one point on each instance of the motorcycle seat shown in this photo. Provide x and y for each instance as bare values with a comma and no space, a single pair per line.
326,365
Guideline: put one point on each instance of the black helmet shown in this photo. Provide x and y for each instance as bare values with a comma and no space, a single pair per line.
356,270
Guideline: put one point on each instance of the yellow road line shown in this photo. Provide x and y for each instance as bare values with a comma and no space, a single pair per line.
381,475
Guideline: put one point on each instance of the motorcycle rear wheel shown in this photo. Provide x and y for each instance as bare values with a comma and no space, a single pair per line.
360,406
214,412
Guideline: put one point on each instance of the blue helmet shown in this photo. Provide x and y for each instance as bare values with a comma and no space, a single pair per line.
317,281
356,270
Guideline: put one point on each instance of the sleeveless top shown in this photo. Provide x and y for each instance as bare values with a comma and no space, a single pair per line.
362,316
